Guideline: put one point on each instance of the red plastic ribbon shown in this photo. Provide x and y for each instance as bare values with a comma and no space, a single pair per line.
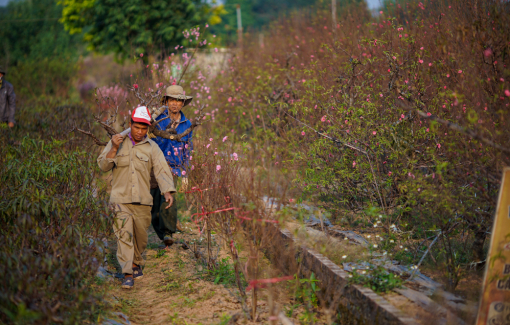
260,283
241,216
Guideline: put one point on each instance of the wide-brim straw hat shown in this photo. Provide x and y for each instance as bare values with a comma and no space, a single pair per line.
177,92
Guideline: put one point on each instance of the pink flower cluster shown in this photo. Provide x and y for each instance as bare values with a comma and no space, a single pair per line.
115,93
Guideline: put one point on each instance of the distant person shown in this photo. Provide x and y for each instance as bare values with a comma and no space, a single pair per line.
131,160
177,154
7,100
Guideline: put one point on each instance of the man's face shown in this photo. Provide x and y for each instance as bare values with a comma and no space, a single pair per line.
174,105
1,75
138,131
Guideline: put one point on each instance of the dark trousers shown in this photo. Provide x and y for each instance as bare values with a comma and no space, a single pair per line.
164,221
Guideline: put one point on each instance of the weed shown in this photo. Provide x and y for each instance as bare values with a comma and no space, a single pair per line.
126,304
160,253
224,319
152,245
172,281
377,279
306,291
290,311
190,289
308,317
188,302
99,280
174,319
224,273
180,262
208,295
171,286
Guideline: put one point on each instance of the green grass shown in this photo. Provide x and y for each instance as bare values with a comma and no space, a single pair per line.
377,279
160,253
224,274
152,245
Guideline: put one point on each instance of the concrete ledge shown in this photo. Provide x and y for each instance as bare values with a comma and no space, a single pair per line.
355,304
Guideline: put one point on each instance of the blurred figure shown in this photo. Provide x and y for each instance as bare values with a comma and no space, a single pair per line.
7,100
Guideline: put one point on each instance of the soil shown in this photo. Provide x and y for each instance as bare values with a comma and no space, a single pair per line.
177,289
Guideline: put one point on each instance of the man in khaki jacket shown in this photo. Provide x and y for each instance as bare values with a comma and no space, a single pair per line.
131,160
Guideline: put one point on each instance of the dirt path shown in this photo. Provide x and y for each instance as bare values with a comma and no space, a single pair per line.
177,289
173,290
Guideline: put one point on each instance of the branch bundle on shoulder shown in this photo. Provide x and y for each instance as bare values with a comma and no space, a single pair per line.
153,101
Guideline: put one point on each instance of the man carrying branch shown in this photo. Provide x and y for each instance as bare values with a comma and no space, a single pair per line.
132,158
177,154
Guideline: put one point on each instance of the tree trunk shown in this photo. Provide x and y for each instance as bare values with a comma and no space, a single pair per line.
477,248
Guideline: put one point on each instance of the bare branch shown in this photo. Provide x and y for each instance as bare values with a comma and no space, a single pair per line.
335,140
187,65
111,131
88,133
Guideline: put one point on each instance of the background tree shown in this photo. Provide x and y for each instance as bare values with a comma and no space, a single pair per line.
40,56
257,14
141,26
30,31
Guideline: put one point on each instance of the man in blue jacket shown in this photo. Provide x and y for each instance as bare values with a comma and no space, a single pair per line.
177,154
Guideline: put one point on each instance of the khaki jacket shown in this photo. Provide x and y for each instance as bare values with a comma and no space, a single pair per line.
131,171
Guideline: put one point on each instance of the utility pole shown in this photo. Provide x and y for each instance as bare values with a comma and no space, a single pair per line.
333,13
239,28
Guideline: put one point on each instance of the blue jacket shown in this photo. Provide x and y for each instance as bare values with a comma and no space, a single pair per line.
177,153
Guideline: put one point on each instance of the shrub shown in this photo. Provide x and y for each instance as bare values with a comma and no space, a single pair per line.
53,218
36,79
401,115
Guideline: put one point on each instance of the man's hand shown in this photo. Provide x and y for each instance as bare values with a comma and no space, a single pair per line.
11,125
117,140
169,198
